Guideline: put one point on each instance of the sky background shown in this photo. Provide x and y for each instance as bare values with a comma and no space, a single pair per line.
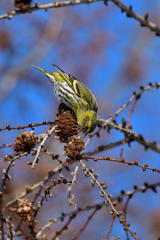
112,55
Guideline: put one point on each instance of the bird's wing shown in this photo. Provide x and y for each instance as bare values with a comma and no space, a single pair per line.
83,92
80,89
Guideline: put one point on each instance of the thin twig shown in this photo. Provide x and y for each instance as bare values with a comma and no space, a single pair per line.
99,205
4,178
127,126
135,163
6,145
155,85
125,213
101,123
143,21
9,15
48,134
114,217
63,228
101,148
86,223
129,12
130,133
74,180
30,125
35,186
99,185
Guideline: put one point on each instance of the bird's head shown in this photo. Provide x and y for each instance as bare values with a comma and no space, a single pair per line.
53,76
87,121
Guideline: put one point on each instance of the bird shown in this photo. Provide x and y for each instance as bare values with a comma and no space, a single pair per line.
76,96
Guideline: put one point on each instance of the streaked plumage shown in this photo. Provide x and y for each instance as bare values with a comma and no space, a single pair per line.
76,96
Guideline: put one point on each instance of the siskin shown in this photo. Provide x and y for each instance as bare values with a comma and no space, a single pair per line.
76,96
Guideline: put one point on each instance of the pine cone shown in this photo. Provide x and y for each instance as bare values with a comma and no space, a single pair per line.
25,141
25,209
66,124
74,147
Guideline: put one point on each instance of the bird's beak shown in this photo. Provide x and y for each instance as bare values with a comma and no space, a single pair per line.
84,134
40,69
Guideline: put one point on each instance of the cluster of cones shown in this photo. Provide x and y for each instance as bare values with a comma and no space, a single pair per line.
66,130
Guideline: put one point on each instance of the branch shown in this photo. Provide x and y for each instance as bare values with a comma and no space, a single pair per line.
85,224
9,15
101,148
137,95
35,186
108,198
30,125
143,20
48,134
99,205
135,163
130,133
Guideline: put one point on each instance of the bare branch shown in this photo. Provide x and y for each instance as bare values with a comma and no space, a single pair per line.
99,185
9,15
130,133
99,205
101,148
41,145
137,95
143,20
35,186
129,12
135,163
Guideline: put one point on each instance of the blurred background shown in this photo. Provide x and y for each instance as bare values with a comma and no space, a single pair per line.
112,55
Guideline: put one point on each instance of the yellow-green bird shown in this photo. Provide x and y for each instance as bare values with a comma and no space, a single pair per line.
76,96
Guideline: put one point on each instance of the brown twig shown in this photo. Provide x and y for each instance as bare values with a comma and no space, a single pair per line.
155,85
125,212
130,133
89,172
127,126
135,163
86,223
37,194
101,123
101,148
114,217
4,179
30,125
64,228
6,145
99,205
1,215
143,21
35,186
129,12
44,198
